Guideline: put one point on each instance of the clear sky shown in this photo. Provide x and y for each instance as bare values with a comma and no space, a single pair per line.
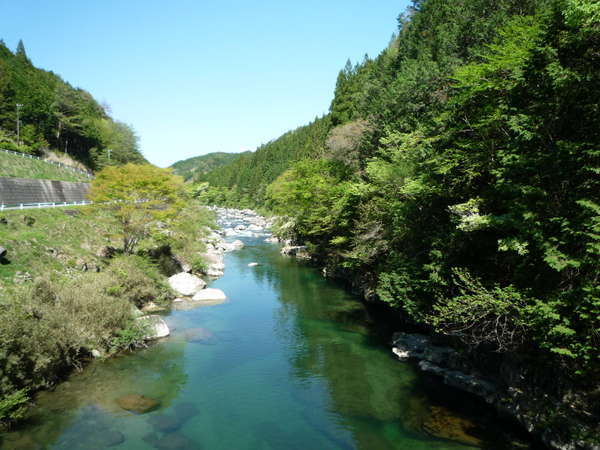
195,76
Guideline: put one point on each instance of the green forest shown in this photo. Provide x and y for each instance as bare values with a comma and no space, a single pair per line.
53,115
194,169
455,178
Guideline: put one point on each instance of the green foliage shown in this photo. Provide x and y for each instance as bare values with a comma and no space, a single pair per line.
482,316
42,327
13,405
136,280
245,179
185,235
313,193
130,337
138,196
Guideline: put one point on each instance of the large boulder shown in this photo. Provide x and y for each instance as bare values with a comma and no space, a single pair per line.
232,246
215,266
156,327
210,295
186,284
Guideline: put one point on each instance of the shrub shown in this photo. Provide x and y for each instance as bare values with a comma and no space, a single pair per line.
136,280
13,405
480,315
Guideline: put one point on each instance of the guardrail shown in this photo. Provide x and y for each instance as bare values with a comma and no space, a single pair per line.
56,163
4,207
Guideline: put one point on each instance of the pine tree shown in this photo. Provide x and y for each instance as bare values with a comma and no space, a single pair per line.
21,50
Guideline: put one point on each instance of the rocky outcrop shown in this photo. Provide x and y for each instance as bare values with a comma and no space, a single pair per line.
299,251
186,284
532,411
444,362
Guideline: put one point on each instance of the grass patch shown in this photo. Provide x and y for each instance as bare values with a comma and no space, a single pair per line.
19,167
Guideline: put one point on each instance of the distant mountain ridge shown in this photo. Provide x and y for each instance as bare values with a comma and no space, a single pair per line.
194,168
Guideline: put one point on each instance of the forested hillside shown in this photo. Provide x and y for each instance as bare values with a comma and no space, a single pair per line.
194,169
243,181
55,115
456,179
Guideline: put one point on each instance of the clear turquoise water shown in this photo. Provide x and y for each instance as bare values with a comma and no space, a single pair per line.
289,362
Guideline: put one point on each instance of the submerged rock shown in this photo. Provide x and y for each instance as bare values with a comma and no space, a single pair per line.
137,403
186,284
443,424
197,335
170,441
165,423
186,410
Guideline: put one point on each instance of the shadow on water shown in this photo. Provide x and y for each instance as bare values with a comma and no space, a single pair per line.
289,361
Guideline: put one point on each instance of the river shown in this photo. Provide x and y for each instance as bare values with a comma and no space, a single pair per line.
290,361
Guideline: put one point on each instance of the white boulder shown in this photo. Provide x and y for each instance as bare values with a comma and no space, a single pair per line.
186,284
232,246
210,295
156,327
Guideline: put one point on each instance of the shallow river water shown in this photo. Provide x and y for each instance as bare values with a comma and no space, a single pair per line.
290,361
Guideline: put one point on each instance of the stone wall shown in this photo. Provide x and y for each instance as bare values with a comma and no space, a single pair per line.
14,191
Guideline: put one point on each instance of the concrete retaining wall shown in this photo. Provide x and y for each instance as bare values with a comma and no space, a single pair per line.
14,191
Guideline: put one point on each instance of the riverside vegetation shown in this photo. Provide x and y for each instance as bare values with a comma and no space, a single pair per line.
73,279
455,178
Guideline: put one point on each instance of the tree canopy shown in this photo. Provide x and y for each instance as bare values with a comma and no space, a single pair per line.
139,196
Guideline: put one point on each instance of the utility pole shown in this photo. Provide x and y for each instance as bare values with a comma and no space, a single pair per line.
19,106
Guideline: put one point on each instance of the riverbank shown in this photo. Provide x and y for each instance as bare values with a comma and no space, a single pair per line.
68,294
558,414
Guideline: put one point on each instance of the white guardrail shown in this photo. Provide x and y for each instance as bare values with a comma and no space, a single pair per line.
4,207
56,163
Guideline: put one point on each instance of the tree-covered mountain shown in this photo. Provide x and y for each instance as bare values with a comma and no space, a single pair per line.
198,166
456,179
54,115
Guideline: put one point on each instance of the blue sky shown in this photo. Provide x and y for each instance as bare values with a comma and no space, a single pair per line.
193,77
